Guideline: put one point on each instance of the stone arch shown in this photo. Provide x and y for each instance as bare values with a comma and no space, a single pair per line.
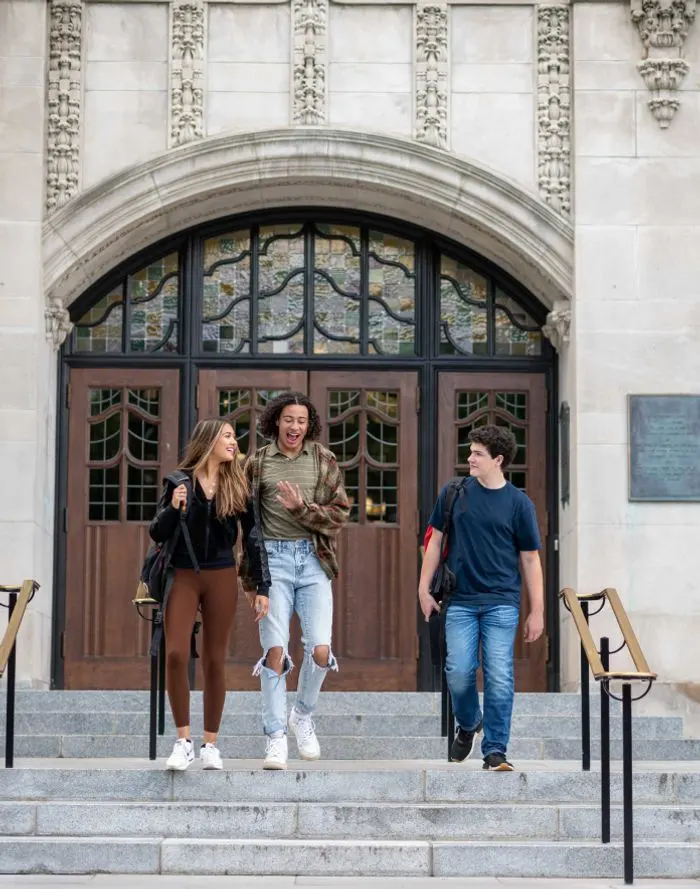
231,174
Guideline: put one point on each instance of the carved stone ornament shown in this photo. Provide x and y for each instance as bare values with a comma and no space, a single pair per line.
554,107
431,74
663,27
58,323
64,101
558,325
187,71
309,29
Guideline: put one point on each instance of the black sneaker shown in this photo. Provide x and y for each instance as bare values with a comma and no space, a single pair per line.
463,743
496,762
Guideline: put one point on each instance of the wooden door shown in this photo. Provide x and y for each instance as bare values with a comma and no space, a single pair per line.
240,396
123,438
370,422
517,401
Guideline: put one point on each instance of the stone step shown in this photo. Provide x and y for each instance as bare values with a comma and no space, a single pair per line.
80,855
344,748
406,704
337,821
236,724
391,782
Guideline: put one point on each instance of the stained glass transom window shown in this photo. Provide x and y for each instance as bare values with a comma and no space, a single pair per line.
124,454
312,288
509,409
363,433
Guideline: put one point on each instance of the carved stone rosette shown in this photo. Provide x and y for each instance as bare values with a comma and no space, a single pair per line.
64,101
309,30
554,107
58,323
557,327
186,71
431,73
663,27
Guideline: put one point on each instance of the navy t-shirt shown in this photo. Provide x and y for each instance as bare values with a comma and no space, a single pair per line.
490,528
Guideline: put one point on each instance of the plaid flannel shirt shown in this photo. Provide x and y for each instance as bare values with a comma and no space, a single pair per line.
323,518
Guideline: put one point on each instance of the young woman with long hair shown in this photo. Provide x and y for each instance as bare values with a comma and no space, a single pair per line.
218,499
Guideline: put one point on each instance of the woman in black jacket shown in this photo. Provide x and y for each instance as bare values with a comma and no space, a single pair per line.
219,499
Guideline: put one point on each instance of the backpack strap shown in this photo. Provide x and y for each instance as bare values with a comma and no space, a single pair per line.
454,489
176,478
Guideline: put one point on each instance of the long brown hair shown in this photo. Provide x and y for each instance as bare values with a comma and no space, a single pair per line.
232,488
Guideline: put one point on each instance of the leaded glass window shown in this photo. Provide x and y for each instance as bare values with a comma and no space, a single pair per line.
311,288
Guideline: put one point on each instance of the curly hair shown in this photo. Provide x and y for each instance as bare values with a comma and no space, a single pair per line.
269,418
498,441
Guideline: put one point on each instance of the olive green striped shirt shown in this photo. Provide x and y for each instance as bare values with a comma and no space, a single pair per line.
277,521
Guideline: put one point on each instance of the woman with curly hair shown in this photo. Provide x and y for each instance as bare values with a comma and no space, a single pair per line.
214,497
299,488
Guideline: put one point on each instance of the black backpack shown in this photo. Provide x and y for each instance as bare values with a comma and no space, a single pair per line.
154,572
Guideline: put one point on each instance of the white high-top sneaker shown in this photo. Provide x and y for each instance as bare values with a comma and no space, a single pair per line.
182,755
276,753
305,733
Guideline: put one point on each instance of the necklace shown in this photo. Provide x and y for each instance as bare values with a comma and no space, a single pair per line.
208,486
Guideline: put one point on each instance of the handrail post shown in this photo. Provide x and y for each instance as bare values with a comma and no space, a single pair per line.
10,707
628,837
585,704
152,750
605,745
161,685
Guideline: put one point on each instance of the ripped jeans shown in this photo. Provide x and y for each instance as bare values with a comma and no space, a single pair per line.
299,584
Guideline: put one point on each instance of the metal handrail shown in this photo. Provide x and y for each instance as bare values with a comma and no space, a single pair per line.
19,599
599,663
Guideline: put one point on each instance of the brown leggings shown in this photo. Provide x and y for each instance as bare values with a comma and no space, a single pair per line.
216,590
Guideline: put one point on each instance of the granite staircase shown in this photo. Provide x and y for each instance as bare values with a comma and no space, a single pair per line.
84,798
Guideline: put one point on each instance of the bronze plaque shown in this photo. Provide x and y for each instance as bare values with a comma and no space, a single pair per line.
664,447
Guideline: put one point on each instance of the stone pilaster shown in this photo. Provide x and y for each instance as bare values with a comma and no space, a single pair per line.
309,61
554,107
431,67
187,26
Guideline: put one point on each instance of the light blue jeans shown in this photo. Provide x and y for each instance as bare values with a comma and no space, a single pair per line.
494,627
299,584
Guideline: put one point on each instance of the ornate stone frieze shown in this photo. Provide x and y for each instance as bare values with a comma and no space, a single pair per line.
64,101
554,107
187,71
558,325
309,30
58,323
431,73
663,27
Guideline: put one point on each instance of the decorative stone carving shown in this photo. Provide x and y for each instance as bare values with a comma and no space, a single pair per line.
663,27
64,101
431,73
309,29
554,107
558,325
58,323
187,71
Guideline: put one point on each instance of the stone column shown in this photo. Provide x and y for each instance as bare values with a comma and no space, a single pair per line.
28,379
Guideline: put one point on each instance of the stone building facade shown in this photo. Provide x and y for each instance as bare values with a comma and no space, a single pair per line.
551,147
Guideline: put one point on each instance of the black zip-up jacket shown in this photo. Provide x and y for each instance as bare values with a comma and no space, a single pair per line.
213,538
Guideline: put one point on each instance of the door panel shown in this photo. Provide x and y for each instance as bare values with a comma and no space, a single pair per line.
369,421
517,401
122,441
240,397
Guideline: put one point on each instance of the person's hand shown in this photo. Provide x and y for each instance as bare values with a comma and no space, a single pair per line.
427,605
534,626
179,498
289,495
261,607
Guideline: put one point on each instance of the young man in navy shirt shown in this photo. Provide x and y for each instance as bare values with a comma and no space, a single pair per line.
494,537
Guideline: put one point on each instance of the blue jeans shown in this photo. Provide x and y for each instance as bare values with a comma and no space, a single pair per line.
494,627
299,584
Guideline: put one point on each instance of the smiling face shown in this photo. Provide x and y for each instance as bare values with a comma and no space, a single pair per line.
226,446
481,464
292,427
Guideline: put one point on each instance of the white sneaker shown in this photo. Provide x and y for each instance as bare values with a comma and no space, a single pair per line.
181,757
276,753
305,733
210,756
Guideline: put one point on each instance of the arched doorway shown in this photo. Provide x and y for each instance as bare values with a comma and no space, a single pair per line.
404,340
